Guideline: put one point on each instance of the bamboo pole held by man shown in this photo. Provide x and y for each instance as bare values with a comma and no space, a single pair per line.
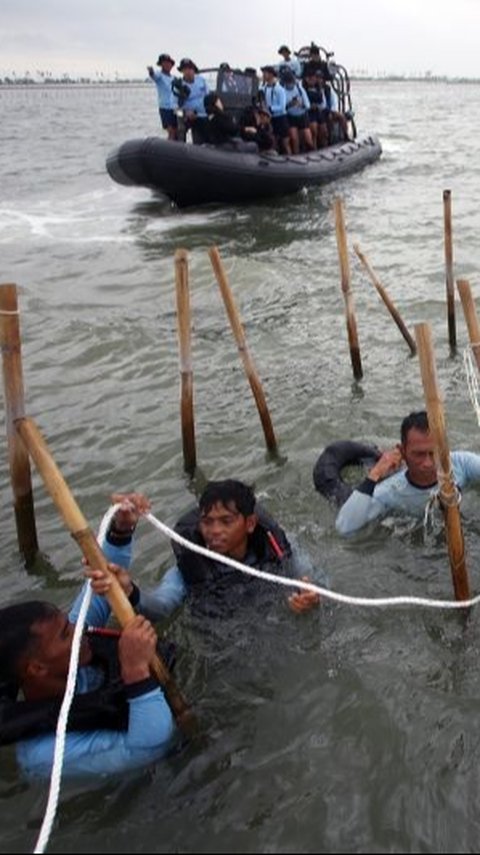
471,317
386,299
86,540
19,461
185,353
448,492
346,290
447,220
239,334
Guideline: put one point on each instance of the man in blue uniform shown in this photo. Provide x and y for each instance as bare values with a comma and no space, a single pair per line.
229,521
167,102
404,478
196,88
119,719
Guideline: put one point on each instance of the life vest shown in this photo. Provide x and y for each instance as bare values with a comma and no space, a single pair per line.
105,708
210,582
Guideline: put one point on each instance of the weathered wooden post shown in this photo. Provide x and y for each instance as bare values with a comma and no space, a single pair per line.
448,493
239,333
86,540
346,290
386,299
471,317
447,221
185,352
19,462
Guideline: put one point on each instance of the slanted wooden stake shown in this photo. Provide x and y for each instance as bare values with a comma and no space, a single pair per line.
347,291
185,350
85,538
19,461
239,333
448,492
386,299
471,317
447,221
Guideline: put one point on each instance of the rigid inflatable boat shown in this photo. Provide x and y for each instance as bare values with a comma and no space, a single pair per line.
199,174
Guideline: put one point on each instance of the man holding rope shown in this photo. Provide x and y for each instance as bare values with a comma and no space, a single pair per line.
119,718
404,478
228,521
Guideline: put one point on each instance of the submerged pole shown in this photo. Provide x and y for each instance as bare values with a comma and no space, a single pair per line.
471,317
19,461
239,334
86,540
448,492
346,290
447,221
185,351
386,299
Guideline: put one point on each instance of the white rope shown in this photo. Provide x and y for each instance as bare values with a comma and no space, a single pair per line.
60,736
9,312
310,586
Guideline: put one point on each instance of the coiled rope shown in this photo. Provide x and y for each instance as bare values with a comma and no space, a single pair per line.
374,602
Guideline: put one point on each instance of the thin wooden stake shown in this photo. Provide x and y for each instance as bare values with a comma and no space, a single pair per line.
239,333
19,462
185,351
448,492
347,291
447,221
471,317
386,299
85,538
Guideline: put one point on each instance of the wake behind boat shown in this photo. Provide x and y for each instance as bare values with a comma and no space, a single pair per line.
236,168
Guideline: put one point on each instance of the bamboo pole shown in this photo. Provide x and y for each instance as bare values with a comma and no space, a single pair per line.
471,317
19,462
447,222
386,299
85,538
185,351
448,492
239,334
347,291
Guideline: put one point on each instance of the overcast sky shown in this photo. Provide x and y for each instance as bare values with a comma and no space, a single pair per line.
109,36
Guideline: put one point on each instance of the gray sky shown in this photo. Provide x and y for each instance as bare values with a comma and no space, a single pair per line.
89,36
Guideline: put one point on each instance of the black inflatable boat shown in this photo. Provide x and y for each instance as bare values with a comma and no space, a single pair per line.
199,174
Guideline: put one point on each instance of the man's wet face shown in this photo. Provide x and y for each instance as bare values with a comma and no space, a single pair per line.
225,530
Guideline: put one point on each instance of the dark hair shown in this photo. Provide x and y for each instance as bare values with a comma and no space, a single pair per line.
227,493
417,420
16,636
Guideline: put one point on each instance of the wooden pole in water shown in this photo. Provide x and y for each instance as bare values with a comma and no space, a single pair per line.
448,492
386,299
85,538
471,317
346,290
239,333
447,221
185,350
19,461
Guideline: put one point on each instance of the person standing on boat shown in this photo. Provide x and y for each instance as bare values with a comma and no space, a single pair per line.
289,62
227,520
318,112
193,104
275,100
298,106
404,478
167,102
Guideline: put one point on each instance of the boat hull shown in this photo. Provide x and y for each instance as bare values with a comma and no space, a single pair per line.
197,175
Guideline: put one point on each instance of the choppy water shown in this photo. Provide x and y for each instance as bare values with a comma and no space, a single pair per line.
344,731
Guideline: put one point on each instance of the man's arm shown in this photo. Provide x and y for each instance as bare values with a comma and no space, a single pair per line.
362,506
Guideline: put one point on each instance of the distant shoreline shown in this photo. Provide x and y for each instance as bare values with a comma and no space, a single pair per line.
113,84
